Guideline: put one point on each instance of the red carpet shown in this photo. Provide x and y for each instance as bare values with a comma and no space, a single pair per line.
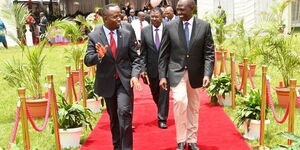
216,130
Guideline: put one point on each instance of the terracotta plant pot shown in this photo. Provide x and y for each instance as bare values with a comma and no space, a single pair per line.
252,69
75,74
283,96
37,107
218,54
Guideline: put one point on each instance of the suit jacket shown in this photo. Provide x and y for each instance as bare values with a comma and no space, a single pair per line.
128,27
131,18
175,57
126,64
149,52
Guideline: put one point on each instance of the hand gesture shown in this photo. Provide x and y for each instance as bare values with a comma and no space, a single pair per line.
163,84
134,82
101,50
206,81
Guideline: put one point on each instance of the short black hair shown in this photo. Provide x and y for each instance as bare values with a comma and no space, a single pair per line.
106,8
157,9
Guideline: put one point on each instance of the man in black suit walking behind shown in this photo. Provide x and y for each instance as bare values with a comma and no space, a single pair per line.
187,59
151,37
112,49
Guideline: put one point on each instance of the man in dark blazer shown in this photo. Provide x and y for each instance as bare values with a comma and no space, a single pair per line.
187,59
151,37
112,49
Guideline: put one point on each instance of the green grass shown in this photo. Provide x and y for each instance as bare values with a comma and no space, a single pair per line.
271,130
55,64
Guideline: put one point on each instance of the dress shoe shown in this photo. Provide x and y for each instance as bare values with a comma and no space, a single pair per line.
180,146
162,125
193,146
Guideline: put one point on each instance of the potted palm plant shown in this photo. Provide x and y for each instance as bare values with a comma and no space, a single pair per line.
244,44
279,50
93,100
219,90
248,114
219,32
71,120
70,30
27,73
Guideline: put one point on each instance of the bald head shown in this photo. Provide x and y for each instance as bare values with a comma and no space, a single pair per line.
141,15
169,12
189,3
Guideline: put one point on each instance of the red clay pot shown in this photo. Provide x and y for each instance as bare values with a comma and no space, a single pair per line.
37,107
252,69
283,96
75,75
218,54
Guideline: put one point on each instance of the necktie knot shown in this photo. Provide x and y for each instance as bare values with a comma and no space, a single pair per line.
111,33
186,24
156,29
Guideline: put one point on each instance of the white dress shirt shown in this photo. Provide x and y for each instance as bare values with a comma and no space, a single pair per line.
190,26
160,29
107,34
136,25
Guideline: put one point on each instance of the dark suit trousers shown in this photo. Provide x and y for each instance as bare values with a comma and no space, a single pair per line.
119,108
161,99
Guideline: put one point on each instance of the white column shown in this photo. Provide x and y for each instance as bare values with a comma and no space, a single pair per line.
28,35
287,18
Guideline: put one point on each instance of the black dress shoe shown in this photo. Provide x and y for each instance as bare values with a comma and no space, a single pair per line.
193,146
162,125
180,146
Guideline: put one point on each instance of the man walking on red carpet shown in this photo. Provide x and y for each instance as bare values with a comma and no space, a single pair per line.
113,50
187,59
151,38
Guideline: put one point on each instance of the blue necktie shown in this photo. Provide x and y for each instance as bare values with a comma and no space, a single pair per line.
187,34
157,41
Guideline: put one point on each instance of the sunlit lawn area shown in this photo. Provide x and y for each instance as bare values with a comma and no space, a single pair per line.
55,64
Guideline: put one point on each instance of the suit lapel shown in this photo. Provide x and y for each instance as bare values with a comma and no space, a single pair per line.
181,33
103,39
195,31
120,42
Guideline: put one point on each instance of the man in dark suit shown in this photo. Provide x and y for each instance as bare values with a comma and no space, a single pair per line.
151,37
112,49
187,59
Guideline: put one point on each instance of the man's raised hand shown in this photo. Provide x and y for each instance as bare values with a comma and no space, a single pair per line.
101,50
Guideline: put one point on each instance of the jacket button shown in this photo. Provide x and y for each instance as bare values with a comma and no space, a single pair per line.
187,56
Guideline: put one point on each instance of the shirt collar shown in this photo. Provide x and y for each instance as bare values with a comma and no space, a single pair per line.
189,21
107,31
160,27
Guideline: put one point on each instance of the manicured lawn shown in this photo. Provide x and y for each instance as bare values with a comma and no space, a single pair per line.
271,139
55,64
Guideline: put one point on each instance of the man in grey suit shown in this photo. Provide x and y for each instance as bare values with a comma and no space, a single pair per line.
151,37
187,59
112,49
